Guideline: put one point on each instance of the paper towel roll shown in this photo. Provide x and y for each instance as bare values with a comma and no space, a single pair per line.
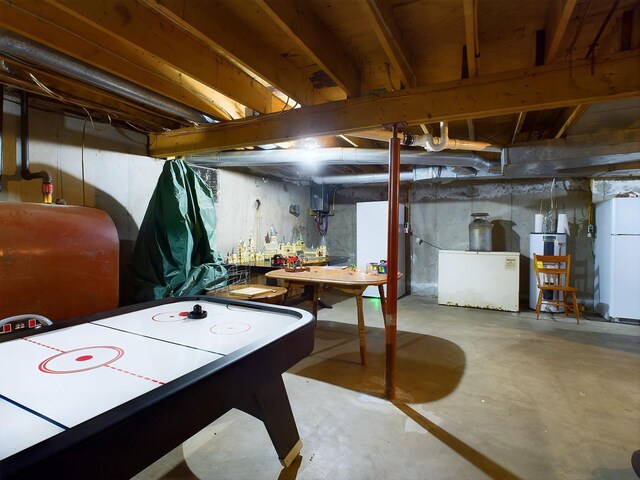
539,220
563,223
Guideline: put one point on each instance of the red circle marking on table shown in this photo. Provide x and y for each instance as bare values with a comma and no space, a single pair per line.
235,327
117,352
169,316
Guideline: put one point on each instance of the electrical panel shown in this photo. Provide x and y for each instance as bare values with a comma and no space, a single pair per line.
319,199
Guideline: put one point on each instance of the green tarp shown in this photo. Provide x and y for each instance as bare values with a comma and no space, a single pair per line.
175,252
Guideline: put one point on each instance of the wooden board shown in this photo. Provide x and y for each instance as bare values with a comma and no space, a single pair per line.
249,292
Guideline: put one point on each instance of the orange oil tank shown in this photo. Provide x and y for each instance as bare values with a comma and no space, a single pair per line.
59,261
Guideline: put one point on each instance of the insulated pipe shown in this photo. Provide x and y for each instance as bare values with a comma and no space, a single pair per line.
24,49
435,144
341,156
421,141
47,180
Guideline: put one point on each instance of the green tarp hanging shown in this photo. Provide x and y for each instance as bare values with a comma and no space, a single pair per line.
175,253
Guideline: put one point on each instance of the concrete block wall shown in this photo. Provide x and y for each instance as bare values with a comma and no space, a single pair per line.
440,214
101,166
249,205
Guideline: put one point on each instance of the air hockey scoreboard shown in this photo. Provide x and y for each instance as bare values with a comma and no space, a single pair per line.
108,394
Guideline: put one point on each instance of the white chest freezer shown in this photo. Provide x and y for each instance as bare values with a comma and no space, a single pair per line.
479,279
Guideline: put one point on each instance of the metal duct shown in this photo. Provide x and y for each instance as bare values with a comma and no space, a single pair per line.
416,175
17,46
341,156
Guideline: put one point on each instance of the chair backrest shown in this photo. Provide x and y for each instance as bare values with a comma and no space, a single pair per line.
552,270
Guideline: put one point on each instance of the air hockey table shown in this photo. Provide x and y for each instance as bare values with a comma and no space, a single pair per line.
106,395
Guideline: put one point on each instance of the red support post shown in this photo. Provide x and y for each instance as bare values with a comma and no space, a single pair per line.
390,324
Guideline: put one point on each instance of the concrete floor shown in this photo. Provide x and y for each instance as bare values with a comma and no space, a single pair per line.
481,394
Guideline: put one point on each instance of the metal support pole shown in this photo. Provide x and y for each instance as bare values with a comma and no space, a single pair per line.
390,324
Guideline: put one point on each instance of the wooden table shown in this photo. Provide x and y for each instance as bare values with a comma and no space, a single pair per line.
346,280
272,294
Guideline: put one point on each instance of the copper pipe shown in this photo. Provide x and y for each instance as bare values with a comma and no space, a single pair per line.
47,180
390,324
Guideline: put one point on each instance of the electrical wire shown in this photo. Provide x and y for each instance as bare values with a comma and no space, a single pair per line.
322,222
393,88
422,240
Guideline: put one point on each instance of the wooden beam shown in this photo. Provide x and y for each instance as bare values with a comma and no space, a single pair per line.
142,28
301,24
569,118
559,16
45,24
537,88
381,19
472,129
218,28
471,35
518,129
359,142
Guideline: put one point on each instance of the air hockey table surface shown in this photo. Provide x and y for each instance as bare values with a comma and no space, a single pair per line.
108,394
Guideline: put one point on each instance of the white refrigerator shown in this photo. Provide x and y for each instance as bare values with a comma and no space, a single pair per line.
617,259
371,240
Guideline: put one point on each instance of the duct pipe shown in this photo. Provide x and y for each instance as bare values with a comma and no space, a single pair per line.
22,48
341,156
47,181
435,144
361,178
416,175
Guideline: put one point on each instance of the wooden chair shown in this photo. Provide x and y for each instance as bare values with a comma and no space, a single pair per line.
553,278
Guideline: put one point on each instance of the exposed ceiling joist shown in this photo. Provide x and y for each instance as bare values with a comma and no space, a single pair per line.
471,35
143,28
381,19
45,24
559,16
215,26
471,128
298,20
499,94
519,124
569,118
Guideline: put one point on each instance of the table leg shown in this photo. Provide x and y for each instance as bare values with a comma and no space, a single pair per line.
271,405
361,331
316,289
322,303
287,285
383,303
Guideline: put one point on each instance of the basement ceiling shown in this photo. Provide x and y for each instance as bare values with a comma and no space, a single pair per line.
520,89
